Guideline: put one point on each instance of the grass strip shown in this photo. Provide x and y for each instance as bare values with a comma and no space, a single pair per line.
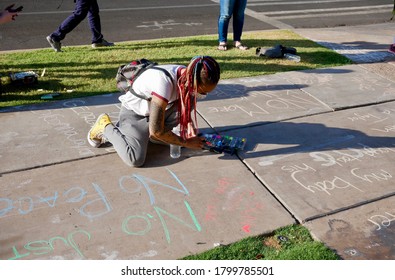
82,71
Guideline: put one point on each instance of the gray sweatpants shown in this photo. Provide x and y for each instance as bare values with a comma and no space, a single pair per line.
130,136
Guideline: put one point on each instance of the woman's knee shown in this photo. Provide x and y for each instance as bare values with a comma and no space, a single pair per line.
224,17
80,14
138,163
134,162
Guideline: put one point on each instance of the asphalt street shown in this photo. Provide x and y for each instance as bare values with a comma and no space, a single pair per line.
125,20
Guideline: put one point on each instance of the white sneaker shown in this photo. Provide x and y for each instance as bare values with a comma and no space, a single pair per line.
95,134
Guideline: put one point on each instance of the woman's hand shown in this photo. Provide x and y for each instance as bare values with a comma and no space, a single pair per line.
157,127
195,143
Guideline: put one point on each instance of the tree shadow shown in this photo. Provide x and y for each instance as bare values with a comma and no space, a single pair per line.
366,45
271,142
288,139
279,140
244,87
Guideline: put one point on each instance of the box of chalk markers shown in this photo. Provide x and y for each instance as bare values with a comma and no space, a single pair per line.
223,144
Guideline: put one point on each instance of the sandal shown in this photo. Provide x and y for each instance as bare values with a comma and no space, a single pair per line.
240,46
222,47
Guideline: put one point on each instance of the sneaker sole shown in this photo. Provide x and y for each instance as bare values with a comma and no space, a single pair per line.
93,143
49,39
101,46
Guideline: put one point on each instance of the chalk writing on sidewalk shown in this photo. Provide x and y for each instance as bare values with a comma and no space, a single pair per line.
328,185
45,247
79,107
91,207
138,182
269,103
126,228
94,205
348,155
59,123
134,184
366,117
382,220
380,175
230,197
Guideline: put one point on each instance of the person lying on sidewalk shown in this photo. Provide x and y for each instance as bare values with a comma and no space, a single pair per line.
172,102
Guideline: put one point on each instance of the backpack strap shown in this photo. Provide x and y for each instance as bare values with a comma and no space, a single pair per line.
152,66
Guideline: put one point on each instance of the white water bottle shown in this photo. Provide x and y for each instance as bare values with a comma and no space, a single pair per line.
175,150
292,57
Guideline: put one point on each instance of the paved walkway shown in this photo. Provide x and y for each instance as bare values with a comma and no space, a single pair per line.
320,152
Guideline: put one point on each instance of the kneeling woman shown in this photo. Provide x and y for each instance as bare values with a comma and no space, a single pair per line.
172,99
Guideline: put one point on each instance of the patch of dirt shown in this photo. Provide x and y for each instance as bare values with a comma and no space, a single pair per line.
272,242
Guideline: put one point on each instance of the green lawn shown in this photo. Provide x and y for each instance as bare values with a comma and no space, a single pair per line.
83,71
288,243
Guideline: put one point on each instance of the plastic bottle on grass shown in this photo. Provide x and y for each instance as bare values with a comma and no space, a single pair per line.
292,57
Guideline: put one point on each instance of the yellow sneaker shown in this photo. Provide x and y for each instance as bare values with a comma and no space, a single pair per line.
95,134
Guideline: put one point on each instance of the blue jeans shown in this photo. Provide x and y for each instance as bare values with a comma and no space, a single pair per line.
227,9
82,9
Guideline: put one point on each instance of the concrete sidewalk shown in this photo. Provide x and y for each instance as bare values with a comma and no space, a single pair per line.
320,152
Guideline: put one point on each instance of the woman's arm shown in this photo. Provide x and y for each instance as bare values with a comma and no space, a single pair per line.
157,127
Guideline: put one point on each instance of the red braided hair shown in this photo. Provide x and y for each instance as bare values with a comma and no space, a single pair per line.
202,70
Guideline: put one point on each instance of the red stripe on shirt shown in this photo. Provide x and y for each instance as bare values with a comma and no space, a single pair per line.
159,96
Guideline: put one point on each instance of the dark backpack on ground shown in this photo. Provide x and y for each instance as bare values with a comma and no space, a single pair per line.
127,74
277,51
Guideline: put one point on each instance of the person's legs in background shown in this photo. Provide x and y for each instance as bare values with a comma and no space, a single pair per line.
82,9
225,13
238,23
95,25
94,22
80,12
